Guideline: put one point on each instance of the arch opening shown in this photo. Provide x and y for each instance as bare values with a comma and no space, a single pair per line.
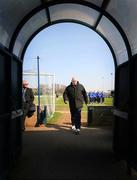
70,49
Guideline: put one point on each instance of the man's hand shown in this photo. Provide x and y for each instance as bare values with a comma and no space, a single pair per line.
65,102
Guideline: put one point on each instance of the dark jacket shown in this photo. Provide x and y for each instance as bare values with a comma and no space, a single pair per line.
28,99
76,95
29,96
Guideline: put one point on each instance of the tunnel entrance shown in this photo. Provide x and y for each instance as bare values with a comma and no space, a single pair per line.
18,26
74,47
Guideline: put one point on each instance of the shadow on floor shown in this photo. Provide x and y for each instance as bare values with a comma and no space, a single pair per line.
60,154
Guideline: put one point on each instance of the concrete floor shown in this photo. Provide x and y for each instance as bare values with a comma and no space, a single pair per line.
57,153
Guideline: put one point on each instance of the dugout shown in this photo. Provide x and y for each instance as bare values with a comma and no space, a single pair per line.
113,20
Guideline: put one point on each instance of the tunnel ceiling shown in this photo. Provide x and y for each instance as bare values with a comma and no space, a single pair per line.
114,20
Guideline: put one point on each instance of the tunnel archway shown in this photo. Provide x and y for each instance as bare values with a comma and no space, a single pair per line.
81,44
82,9
20,21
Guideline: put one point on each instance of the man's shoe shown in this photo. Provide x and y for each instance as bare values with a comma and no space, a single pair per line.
77,131
73,128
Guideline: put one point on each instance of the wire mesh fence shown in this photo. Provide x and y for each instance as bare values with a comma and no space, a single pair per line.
47,90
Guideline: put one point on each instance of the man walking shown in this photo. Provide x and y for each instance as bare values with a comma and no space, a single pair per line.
76,94
28,98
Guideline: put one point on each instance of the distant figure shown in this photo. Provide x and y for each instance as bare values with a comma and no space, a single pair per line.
97,97
27,98
89,97
76,94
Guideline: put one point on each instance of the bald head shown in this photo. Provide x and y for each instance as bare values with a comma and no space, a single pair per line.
74,81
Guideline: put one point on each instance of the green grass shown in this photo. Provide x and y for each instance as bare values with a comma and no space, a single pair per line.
54,119
61,106
108,101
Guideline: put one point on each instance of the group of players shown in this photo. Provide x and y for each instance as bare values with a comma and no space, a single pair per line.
96,97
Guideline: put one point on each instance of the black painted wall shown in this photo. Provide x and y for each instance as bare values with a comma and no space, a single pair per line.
10,99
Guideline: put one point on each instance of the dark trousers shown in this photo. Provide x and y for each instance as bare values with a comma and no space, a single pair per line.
25,111
76,117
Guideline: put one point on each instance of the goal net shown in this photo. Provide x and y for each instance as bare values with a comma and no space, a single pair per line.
47,90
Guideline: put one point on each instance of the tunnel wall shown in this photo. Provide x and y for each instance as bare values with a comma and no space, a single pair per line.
10,126
133,119
121,135
125,116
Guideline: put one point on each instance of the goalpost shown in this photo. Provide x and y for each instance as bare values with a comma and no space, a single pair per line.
46,96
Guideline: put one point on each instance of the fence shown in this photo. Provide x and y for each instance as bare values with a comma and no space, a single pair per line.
47,90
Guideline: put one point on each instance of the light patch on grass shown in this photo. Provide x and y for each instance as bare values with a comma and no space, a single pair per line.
54,118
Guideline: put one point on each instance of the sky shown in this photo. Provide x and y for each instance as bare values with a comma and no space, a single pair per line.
69,50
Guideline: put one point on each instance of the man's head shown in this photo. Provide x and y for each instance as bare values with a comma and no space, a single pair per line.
74,81
25,84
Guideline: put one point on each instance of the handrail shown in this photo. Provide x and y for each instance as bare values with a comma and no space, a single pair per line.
120,113
16,113
12,115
